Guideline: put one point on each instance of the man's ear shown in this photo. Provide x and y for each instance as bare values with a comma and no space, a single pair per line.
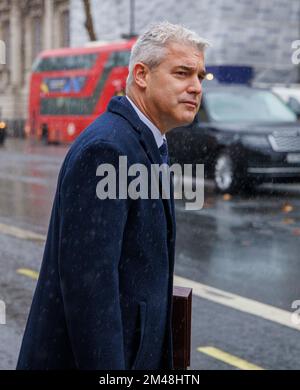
140,73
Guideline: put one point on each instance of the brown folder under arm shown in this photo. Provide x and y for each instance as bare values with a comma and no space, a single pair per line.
181,323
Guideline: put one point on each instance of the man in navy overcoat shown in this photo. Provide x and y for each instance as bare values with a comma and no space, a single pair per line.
104,295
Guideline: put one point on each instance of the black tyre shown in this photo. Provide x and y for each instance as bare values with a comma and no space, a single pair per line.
225,175
2,136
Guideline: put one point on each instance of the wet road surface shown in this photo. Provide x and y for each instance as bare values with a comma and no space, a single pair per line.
244,245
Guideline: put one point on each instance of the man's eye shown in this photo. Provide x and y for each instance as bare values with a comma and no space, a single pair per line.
181,73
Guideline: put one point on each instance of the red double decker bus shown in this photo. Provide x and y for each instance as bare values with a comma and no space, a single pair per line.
70,87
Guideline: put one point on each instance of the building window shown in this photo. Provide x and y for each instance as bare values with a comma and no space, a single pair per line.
65,29
36,37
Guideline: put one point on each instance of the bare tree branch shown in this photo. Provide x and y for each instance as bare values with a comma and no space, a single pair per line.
89,24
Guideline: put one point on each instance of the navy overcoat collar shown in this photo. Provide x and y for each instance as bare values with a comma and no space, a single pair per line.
120,105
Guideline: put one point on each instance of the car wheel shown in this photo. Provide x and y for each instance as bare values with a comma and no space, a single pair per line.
225,174
2,138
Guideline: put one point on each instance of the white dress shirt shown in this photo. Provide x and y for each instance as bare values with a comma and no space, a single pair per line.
159,138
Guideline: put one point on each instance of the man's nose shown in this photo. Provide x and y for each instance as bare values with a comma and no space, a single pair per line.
195,87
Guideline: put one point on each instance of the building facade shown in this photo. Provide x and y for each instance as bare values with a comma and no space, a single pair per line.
258,33
26,28
242,32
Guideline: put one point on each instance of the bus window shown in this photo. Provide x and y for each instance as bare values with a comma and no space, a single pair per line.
119,58
63,84
69,88
47,64
65,105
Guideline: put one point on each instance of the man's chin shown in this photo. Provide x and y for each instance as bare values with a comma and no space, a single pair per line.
184,120
187,120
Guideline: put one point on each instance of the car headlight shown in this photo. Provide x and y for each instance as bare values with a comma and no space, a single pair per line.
2,125
256,141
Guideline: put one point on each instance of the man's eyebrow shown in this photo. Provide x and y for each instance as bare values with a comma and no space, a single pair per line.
203,74
185,67
188,68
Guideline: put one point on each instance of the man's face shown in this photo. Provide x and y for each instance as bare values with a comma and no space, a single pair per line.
173,92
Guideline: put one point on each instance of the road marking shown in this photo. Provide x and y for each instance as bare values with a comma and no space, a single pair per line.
20,233
229,359
28,272
225,298
237,302
221,297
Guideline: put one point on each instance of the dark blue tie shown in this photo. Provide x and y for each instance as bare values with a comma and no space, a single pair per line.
163,150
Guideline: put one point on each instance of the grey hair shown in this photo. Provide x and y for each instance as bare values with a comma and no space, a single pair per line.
150,48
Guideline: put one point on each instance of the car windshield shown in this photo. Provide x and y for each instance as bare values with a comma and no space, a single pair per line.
247,106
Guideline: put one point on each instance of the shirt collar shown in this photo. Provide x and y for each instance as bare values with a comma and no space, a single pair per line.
159,138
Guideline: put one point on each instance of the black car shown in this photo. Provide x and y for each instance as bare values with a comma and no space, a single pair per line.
243,136
2,132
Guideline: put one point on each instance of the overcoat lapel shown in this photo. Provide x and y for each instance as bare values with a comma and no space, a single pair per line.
121,106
